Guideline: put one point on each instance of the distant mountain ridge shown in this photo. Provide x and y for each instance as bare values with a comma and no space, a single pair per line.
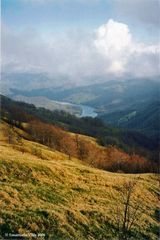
146,119
113,94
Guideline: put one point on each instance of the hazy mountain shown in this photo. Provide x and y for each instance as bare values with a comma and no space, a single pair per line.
50,104
144,118
105,97
29,81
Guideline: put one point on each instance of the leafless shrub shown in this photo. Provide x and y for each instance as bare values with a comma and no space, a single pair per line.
128,210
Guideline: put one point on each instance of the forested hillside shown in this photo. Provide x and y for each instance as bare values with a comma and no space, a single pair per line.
131,142
145,119
120,148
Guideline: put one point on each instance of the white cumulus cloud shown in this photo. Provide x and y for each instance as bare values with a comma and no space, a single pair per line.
115,41
113,36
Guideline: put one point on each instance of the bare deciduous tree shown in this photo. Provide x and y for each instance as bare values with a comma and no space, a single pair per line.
128,210
9,134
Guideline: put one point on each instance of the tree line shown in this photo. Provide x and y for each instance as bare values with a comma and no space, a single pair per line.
110,157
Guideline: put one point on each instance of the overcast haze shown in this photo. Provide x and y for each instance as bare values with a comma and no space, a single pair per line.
82,41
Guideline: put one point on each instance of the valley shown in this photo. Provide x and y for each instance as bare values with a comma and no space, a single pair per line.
80,120
131,104
78,110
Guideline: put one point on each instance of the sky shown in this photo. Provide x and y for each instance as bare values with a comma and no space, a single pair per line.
81,40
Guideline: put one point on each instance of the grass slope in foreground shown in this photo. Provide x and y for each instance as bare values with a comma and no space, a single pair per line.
42,191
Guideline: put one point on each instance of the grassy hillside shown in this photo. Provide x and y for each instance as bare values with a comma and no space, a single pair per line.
42,191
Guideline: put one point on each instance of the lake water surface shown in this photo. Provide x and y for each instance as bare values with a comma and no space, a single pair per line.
87,111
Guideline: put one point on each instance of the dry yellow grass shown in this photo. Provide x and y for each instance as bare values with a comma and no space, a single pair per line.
42,191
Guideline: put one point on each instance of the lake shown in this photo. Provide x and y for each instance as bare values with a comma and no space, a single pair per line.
87,111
